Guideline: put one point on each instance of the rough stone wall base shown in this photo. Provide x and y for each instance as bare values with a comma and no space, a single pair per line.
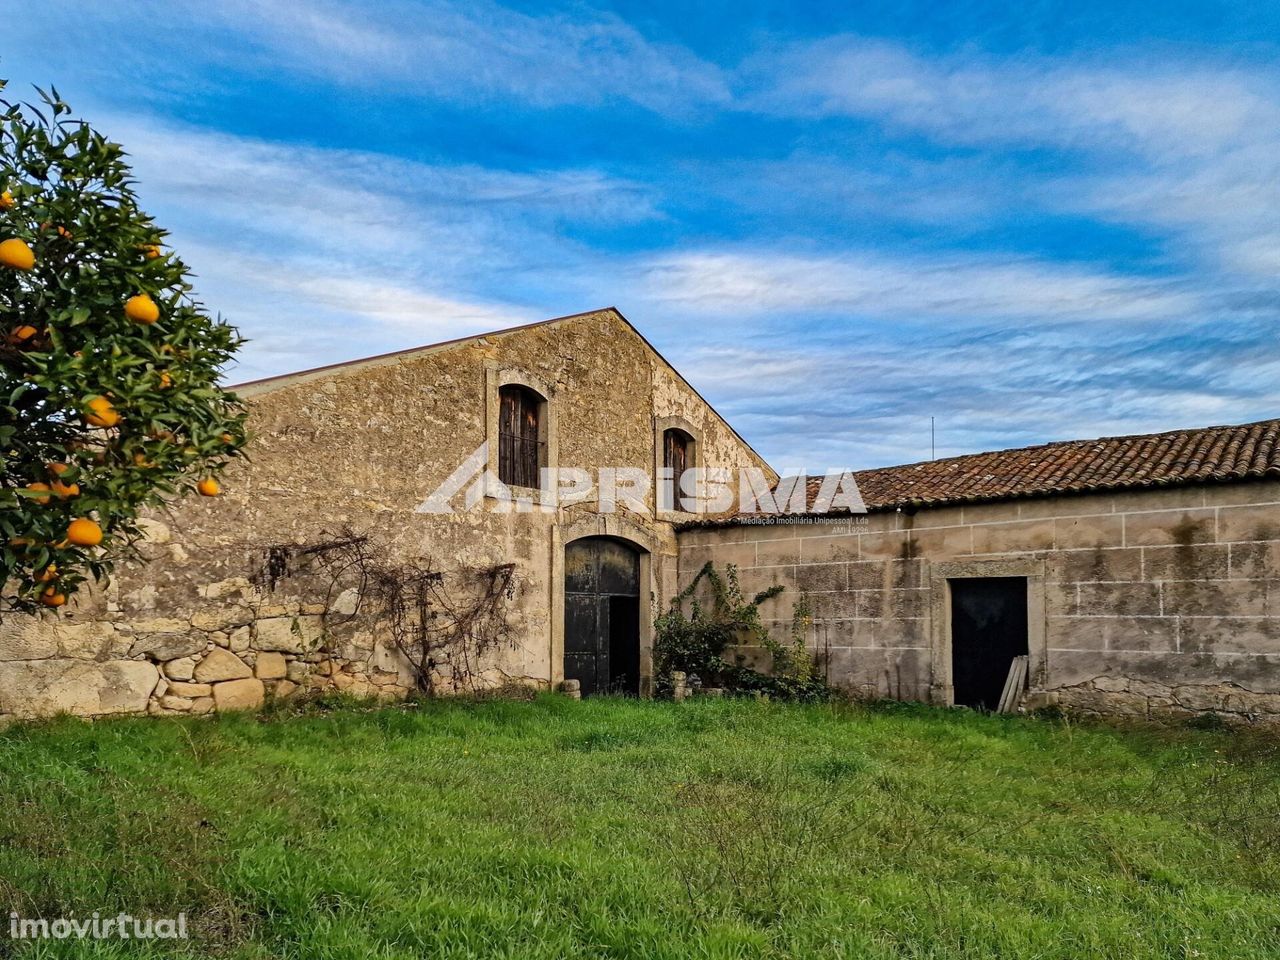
1124,697
233,660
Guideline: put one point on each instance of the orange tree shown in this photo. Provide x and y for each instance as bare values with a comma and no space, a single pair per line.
109,396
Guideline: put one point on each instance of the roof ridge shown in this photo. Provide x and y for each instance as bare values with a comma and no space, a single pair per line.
1072,443
453,341
1235,452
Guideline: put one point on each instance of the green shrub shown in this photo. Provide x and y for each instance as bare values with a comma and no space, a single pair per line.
695,643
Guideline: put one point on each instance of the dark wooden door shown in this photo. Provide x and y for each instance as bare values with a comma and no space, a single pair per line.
602,616
988,629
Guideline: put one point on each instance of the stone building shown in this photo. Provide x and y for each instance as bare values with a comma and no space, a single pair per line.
354,450
1139,575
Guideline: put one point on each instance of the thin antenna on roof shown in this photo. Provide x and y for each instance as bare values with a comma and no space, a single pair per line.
933,450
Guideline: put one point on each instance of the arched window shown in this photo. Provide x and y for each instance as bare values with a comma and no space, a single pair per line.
677,456
522,439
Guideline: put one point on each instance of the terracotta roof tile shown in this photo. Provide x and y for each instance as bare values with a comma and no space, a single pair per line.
1079,466
1177,458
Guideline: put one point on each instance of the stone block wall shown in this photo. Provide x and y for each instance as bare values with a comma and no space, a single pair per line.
1146,602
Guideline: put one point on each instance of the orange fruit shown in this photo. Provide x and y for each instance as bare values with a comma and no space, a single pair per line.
102,413
48,573
39,488
50,597
6,200
15,253
84,533
65,490
140,308
228,439
165,379
150,251
140,460
208,487
64,233
22,334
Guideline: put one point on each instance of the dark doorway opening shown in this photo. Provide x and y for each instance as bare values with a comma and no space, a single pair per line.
602,616
676,449
624,645
988,629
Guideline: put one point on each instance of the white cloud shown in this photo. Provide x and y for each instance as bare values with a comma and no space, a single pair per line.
1187,146
866,400
1224,209
389,306
301,312
471,52
365,204
1147,105
906,288
474,53
1258,254
321,255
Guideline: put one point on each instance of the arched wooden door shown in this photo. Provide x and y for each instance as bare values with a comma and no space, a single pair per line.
602,616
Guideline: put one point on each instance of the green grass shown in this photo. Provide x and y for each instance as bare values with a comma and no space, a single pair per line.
641,829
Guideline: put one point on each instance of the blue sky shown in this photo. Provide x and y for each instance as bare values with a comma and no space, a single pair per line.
1033,222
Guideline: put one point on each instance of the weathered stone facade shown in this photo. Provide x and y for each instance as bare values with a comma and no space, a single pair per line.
1163,601
358,447
1144,603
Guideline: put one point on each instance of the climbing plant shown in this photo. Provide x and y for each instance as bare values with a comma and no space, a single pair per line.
447,623
694,642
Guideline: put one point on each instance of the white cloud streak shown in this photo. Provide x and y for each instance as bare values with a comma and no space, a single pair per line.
1185,146
907,288
473,53
868,402
1154,107
320,255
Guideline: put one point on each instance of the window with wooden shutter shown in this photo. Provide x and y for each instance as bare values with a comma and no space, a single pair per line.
676,448
521,447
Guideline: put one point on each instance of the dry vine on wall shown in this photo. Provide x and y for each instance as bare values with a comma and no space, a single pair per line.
448,624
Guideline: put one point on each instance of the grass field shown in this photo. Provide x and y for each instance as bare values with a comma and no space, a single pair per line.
640,829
